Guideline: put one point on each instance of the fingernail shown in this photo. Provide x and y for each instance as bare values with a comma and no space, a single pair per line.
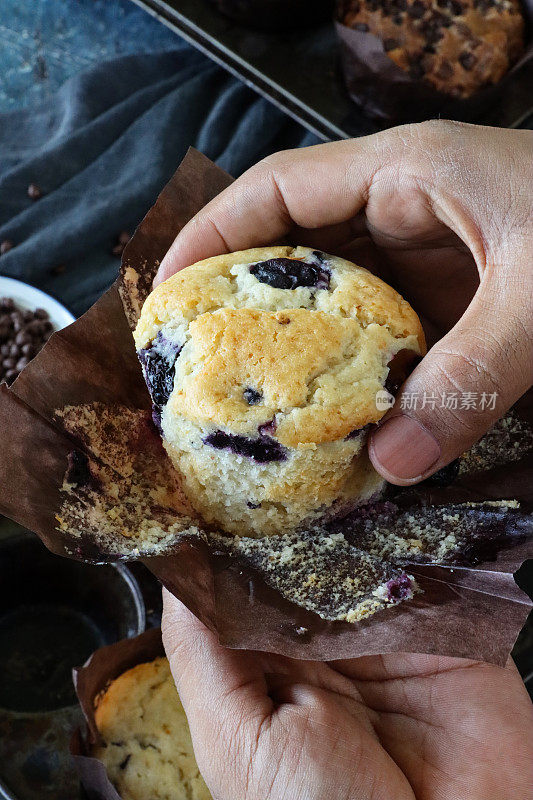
403,449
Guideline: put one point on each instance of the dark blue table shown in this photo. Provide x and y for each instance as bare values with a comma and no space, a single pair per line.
45,42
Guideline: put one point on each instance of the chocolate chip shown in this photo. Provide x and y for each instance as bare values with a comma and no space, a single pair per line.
6,246
456,8
7,305
465,31
252,396
416,70
122,240
445,70
36,327
34,192
433,35
416,10
390,44
467,61
23,333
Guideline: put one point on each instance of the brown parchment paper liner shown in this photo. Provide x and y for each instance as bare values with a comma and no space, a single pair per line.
94,677
78,419
388,93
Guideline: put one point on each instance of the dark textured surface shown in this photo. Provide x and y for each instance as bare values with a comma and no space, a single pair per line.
45,42
103,147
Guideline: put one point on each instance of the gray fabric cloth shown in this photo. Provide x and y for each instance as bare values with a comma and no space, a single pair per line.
103,148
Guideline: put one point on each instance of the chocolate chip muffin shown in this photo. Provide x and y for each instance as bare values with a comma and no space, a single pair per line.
459,46
147,748
263,367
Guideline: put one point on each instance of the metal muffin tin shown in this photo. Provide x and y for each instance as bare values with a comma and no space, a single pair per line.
298,71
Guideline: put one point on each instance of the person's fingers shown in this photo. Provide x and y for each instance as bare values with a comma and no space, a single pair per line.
216,685
466,382
315,187
326,187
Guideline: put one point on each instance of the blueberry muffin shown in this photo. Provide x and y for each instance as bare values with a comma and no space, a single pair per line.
147,748
263,367
459,46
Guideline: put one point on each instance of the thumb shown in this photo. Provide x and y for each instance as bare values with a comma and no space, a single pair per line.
466,382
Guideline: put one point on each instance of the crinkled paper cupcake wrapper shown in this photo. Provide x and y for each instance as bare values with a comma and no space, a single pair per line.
81,464
390,95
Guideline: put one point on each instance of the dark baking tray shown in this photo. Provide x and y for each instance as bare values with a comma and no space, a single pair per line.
299,71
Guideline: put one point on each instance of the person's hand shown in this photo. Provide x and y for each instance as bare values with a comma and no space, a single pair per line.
447,212
392,727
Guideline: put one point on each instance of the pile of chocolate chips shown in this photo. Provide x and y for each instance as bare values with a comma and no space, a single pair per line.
22,335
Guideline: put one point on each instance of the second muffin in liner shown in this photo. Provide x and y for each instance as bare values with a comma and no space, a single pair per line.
392,94
137,740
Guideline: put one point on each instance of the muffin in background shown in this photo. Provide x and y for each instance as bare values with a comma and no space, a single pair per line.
456,46
275,15
264,368
147,748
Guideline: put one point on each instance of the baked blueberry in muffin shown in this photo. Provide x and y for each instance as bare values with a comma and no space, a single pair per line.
264,367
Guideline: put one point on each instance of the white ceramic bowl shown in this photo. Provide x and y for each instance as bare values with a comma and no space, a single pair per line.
28,297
